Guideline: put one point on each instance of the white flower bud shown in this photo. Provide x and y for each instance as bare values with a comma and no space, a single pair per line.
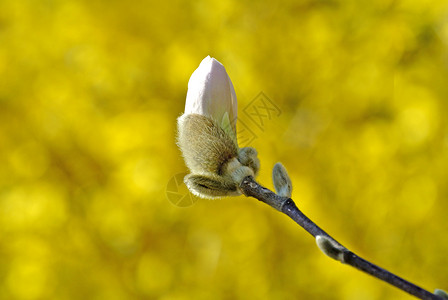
207,135
211,93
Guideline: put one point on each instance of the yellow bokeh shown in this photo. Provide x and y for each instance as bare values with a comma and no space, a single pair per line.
91,204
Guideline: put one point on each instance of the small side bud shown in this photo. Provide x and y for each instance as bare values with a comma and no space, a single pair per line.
441,293
330,248
235,170
248,157
282,182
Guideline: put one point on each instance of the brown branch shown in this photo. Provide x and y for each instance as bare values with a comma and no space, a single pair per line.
251,188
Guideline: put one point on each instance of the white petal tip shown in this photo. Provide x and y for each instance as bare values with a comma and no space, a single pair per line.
209,64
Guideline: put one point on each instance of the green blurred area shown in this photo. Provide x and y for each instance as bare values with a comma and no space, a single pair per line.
89,96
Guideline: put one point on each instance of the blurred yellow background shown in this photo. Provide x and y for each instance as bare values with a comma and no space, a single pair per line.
89,96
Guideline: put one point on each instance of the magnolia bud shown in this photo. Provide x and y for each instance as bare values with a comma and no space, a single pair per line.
207,135
211,93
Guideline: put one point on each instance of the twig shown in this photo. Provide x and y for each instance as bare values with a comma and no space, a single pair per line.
327,244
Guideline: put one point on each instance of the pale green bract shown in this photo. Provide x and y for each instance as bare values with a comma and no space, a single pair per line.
228,127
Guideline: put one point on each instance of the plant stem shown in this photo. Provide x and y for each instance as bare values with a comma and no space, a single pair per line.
287,206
